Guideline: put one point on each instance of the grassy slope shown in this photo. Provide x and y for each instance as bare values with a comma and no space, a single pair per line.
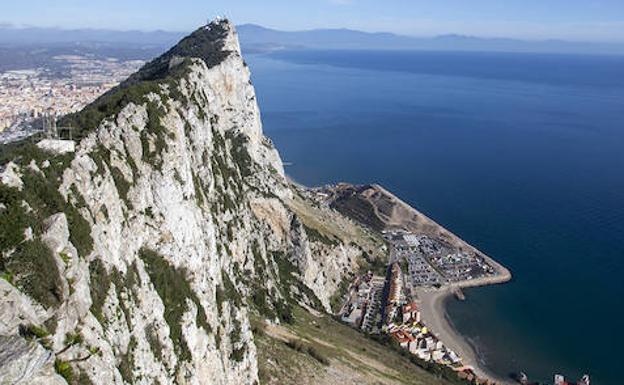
324,225
354,358
334,226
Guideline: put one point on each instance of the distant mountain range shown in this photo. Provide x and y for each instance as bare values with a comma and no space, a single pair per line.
13,36
255,38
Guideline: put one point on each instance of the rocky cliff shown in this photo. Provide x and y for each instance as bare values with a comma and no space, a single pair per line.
139,256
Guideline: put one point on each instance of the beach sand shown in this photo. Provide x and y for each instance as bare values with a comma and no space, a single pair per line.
434,315
433,310
391,213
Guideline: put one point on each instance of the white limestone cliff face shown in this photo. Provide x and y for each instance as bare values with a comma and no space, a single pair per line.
26,363
186,203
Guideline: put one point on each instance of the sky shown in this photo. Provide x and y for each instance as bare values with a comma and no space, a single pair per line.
581,20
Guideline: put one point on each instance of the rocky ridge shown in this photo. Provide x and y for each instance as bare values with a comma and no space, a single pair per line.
140,257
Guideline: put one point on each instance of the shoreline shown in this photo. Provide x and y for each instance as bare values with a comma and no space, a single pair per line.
432,301
433,310
404,217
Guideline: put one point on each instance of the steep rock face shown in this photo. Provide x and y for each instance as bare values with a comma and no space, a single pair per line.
23,362
139,257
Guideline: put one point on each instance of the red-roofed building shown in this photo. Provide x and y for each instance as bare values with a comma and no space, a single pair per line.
411,312
403,338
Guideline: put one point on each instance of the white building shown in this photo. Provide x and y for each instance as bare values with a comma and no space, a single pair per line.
411,240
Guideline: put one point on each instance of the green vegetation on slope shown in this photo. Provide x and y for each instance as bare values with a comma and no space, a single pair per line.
359,209
100,285
276,302
27,262
284,355
65,370
41,193
174,290
34,271
107,106
205,44
328,227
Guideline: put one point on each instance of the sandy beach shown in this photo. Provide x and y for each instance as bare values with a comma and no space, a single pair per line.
435,317
392,213
432,300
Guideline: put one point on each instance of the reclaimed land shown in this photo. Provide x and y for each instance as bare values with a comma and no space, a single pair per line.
381,210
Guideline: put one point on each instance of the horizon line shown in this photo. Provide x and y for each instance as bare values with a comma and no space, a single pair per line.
5,25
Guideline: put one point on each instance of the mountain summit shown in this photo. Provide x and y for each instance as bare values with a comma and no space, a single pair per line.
212,43
139,256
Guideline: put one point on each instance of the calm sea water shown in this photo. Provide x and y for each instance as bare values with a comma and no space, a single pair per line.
521,155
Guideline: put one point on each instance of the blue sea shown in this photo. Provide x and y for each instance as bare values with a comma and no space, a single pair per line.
521,155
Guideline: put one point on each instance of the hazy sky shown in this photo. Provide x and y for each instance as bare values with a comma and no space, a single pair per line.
534,19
